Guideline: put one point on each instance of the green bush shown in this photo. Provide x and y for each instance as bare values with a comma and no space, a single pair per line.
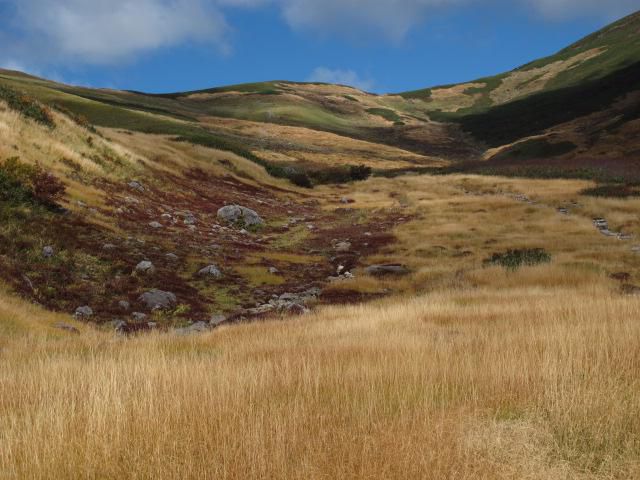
612,191
22,183
514,259
27,106
360,172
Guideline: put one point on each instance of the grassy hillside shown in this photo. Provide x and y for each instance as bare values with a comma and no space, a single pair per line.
593,58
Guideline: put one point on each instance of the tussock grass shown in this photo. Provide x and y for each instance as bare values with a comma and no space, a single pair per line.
513,383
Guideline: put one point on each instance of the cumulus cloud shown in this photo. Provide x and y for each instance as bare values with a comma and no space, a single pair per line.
110,31
113,31
562,9
340,77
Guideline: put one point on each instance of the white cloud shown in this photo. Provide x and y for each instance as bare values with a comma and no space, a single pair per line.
340,77
563,9
111,31
71,32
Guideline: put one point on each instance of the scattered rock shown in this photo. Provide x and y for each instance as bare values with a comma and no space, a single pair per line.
138,317
388,269
217,320
124,305
172,257
210,271
135,185
343,247
158,300
145,268
346,201
109,246
240,214
273,270
66,327
116,325
198,327
48,252
83,313
155,225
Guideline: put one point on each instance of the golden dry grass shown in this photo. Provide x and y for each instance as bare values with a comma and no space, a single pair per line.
466,373
516,382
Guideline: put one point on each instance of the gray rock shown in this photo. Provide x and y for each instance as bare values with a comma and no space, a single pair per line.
217,320
83,313
343,247
346,201
135,185
273,270
124,305
389,269
48,252
109,246
198,327
155,225
66,327
116,325
172,257
138,317
241,215
158,300
210,271
146,268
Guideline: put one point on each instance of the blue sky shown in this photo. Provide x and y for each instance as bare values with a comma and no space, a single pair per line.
378,45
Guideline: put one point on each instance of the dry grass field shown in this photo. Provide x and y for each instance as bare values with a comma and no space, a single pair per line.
460,369
468,372
511,382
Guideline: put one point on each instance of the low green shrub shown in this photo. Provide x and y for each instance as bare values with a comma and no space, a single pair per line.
612,191
22,183
514,259
27,106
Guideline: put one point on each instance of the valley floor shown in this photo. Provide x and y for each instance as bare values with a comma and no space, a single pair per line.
467,371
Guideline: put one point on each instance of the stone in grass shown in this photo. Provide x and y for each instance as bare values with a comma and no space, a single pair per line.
198,327
158,300
48,252
210,271
83,313
217,320
155,225
388,269
240,214
66,327
145,268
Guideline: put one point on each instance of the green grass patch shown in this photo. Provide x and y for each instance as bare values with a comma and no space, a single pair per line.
27,106
515,259
385,113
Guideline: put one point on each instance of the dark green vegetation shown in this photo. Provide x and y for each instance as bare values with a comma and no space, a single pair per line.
515,259
535,148
532,115
613,191
27,106
385,113
22,184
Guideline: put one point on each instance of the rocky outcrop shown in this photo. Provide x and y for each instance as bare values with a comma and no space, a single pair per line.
158,300
388,269
240,215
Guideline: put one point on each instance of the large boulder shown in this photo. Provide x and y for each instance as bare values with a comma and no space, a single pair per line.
388,269
198,327
83,313
145,268
158,300
211,271
241,215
